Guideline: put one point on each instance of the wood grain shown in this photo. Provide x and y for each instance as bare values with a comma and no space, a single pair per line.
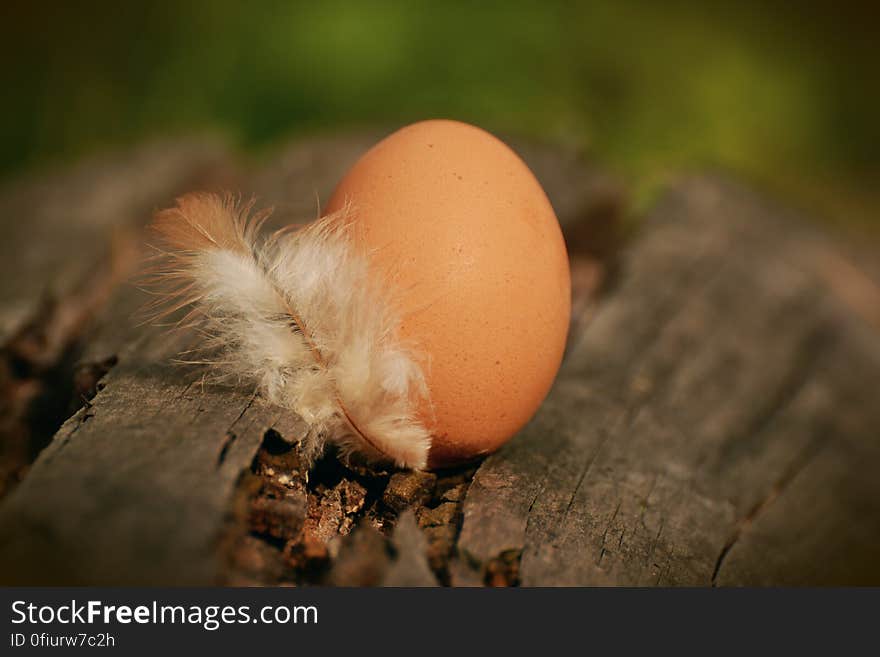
140,485
714,423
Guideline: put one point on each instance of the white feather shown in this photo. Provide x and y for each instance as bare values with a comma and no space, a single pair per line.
301,315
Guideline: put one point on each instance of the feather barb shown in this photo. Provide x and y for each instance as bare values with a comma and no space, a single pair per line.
299,315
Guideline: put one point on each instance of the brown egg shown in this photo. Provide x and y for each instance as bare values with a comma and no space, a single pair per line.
459,226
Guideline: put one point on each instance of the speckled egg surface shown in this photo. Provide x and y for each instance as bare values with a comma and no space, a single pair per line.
456,222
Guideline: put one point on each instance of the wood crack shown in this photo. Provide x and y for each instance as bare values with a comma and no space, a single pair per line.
743,524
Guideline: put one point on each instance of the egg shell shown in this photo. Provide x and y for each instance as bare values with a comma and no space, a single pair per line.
462,231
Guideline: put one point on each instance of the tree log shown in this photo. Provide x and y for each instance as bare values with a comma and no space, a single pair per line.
714,421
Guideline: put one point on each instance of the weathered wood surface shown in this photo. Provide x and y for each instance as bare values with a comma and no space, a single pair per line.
155,478
714,422
70,237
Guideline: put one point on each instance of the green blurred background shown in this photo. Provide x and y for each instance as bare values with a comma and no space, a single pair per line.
786,96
